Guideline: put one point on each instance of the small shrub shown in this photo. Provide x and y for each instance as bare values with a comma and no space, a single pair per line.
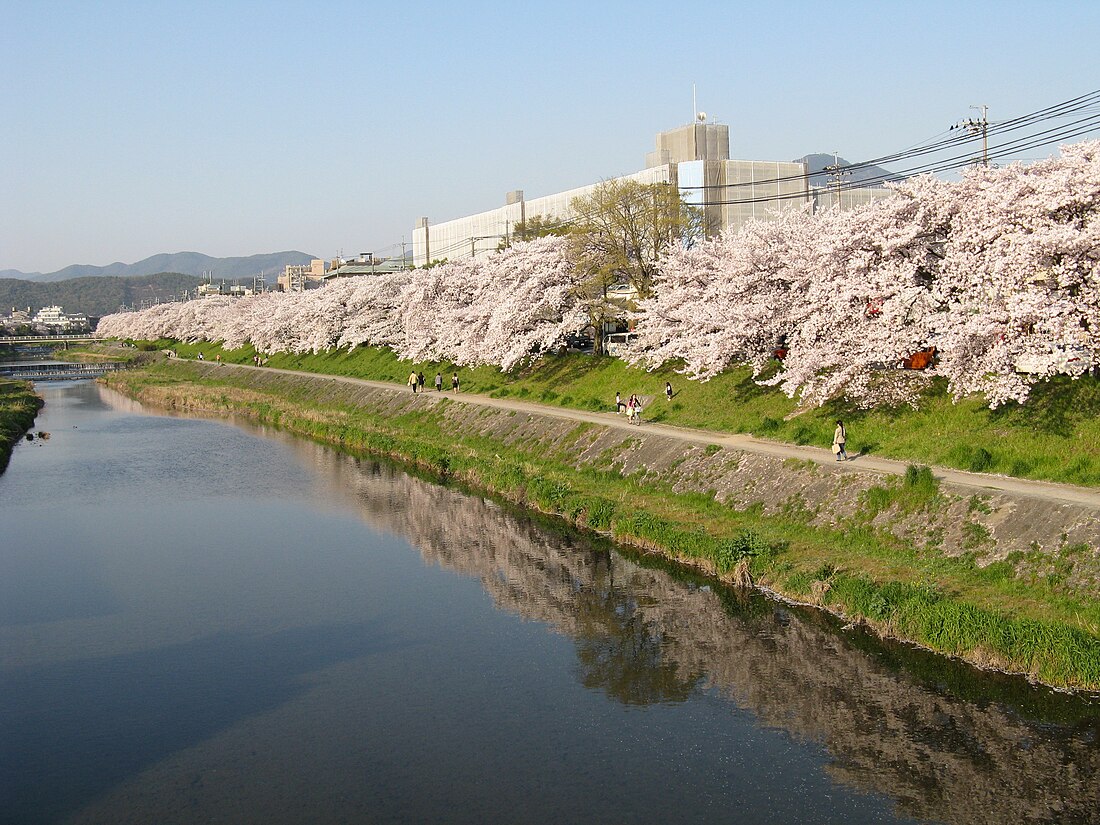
769,425
975,535
980,460
803,435
712,449
977,504
878,498
746,544
599,513
1020,468
920,478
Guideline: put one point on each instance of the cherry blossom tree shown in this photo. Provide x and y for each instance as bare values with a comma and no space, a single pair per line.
995,273
503,310
995,268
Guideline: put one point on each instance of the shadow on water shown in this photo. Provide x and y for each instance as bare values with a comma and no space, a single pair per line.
101,734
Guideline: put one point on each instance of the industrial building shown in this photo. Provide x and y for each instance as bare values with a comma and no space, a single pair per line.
695,158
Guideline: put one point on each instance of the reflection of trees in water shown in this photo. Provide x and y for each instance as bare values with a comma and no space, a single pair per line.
644,636
619,650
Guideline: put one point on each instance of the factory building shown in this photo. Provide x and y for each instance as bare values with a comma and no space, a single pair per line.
695,158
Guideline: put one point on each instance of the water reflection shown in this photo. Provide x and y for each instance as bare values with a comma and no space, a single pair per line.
944,741
241,646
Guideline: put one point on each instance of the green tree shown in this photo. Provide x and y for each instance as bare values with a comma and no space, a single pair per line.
621,231
623,228
536,226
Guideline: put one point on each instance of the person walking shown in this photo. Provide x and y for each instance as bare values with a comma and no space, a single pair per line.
420,381
413,382
634,409
454,382
668,390
439,382
619,405
839,437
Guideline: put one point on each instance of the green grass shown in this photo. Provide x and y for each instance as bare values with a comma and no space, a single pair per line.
996,616
1054,437
18,408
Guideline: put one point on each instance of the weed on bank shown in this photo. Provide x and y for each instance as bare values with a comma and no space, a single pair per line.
18,408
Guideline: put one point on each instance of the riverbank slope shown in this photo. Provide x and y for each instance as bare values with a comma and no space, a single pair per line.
1001,579
18,408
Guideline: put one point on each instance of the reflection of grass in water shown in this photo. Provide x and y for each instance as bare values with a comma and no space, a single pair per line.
988,616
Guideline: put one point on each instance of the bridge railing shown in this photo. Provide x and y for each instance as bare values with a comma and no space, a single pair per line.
45,372
46,339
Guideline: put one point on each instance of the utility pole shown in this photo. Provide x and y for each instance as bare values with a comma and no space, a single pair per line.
837,174
978,127
985,132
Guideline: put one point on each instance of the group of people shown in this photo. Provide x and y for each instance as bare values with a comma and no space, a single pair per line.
416,382
633,405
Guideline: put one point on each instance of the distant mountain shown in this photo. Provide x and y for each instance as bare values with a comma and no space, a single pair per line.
817,162
185,263
95,296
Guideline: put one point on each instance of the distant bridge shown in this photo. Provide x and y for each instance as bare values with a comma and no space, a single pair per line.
58,372
50,339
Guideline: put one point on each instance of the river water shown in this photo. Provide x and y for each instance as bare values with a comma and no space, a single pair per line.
205,622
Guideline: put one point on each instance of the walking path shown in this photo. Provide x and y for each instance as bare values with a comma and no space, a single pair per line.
1047,490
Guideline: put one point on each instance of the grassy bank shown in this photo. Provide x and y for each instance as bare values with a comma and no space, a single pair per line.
18,407
1054,437
989,616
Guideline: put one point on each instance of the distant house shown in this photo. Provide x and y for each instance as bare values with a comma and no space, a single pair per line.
18,321
55,319
299,278
367,264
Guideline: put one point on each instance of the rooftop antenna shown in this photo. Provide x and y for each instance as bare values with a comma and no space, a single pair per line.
696,115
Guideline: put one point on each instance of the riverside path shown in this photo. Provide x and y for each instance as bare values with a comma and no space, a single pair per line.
1046,490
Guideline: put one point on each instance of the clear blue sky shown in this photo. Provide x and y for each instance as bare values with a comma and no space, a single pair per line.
234,128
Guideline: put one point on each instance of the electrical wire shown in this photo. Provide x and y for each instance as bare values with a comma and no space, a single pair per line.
963,134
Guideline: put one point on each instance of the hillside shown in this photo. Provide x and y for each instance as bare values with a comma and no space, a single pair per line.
186,263
94,296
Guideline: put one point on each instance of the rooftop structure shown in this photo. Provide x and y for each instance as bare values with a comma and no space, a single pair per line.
55,318
695,158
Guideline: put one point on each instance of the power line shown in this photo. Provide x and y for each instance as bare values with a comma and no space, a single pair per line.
1087,104
1063,109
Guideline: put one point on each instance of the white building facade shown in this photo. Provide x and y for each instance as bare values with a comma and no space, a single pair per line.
695,158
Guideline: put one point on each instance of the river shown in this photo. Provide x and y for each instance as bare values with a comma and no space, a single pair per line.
201,621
